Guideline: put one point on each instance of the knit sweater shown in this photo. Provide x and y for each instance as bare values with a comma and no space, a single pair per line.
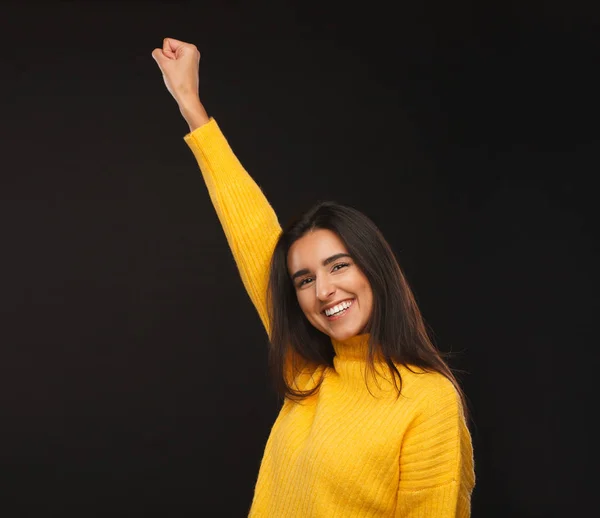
352,449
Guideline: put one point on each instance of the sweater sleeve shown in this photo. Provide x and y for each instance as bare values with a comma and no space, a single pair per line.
436,460
250,223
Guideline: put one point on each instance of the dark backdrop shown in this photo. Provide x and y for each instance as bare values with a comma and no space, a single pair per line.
133,375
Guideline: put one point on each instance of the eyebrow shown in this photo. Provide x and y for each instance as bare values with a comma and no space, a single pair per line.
325,263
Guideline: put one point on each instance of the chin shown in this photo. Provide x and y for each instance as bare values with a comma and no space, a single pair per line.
344,335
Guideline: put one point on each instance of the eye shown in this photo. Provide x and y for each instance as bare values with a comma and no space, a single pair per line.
341,265
303,281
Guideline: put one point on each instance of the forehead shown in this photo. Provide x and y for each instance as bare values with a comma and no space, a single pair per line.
312,248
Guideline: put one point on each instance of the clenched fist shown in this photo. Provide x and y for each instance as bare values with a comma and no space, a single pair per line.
179,62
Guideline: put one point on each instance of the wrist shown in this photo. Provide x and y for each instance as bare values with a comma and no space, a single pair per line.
193,112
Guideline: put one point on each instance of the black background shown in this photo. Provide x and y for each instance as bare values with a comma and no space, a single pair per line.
133,377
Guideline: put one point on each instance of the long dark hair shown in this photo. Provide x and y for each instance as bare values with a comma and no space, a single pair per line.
396,328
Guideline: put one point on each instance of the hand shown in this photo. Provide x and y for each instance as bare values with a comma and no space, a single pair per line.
179,63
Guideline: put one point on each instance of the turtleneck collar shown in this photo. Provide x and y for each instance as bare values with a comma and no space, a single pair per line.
354,348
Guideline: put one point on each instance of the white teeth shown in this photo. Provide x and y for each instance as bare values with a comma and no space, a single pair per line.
336,309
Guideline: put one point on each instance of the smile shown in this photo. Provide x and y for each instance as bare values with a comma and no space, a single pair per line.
339,310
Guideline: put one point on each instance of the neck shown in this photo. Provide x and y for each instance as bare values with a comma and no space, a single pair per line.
353,348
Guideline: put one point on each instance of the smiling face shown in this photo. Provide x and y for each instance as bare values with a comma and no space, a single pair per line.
325,277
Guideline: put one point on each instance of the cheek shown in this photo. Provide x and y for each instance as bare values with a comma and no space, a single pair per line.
303,301
362,283
365,288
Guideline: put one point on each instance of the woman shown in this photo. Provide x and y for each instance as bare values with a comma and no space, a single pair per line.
373,421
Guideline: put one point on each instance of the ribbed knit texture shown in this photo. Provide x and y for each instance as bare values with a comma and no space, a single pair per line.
352,449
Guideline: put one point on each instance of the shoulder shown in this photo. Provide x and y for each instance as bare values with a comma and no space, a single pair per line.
431,390
419,379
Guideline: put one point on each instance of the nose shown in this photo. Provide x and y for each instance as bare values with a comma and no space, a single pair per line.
325,288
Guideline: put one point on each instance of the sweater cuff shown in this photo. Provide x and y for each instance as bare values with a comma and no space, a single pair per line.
201,131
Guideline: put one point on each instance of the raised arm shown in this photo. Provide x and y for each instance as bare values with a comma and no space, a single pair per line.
249,221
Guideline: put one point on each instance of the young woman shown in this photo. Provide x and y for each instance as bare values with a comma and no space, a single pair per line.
373,421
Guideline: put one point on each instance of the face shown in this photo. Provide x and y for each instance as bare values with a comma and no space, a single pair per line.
325,277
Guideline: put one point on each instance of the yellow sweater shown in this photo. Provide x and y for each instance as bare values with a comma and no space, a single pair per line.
343,452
